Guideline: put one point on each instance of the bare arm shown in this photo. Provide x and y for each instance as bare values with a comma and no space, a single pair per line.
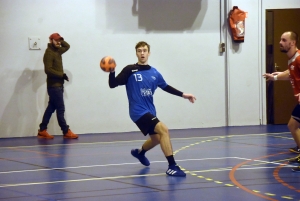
277,76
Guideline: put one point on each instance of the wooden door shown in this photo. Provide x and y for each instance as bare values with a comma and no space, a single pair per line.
280,97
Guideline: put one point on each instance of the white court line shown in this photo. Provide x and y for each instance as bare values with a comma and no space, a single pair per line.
134,176
78,180
117,164
121,164
172,139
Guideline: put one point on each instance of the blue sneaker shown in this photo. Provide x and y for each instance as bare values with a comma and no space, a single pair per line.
175,171
142,158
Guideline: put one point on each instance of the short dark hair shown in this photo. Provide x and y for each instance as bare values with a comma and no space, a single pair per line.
142,44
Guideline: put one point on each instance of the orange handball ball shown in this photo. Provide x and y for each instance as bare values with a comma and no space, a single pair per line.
107,64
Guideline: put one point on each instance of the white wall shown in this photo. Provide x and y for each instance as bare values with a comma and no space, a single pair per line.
185,52
243,74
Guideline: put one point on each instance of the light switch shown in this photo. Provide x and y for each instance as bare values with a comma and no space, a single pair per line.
222,47
34,43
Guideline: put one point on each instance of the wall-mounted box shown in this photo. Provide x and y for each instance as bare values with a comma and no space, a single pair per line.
34,43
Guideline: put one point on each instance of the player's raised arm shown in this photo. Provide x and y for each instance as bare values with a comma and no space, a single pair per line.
112,81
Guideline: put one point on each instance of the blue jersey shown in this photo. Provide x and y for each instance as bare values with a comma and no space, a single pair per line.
141,82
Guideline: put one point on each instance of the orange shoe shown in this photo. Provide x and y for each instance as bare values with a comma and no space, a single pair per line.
70,135
44,134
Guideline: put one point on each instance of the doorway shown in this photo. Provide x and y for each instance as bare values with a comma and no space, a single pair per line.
280,98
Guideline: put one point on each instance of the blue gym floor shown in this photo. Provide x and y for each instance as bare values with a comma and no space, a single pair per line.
228,163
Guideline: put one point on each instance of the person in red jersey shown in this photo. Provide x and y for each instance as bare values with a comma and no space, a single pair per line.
288,45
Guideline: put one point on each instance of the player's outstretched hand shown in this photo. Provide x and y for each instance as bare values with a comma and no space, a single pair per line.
191,97
270,76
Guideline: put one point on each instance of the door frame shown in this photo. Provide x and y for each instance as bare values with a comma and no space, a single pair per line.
264,6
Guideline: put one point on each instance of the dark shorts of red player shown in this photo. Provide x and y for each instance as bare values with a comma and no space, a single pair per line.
296,113
147,123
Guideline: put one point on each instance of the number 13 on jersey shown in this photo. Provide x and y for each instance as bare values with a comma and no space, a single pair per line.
138,77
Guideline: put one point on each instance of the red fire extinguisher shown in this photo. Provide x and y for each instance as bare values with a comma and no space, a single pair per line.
237,24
